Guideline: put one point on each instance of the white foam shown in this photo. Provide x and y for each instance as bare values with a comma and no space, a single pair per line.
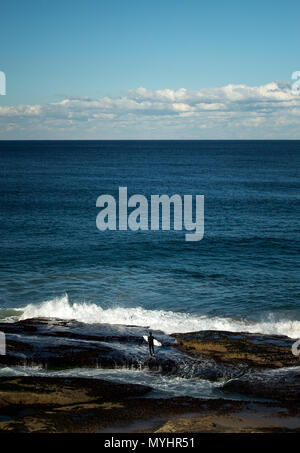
163,386
168,321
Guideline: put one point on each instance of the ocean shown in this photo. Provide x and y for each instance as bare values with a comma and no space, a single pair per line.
242,276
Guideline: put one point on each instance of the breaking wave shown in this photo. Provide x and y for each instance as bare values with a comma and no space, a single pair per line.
167,321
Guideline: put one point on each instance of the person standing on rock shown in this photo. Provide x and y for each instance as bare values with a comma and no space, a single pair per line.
151,344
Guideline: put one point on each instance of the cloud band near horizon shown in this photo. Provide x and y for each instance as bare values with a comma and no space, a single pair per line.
229,112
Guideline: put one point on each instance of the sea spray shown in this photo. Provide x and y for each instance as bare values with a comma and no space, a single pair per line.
167,321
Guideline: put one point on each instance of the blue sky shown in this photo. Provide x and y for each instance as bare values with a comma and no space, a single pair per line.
53,50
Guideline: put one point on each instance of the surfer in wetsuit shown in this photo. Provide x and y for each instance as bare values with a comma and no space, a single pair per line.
151,344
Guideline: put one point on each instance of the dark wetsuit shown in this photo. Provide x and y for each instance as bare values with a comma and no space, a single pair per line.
151,344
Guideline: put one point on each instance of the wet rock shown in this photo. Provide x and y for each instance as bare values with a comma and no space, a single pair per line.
253,350
80,331
42,404
56,343
282,384
59,344
255,419
59,391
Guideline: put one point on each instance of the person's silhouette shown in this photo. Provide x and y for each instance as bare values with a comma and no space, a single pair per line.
151,344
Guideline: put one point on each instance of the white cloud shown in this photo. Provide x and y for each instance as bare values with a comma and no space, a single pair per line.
232,111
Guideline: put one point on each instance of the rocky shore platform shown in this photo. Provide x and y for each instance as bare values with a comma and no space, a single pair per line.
260,367
60,405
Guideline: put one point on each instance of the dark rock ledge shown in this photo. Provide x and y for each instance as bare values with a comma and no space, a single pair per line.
283,384
59,344
60,405
253,350
250,364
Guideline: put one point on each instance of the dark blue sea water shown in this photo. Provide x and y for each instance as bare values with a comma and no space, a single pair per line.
244,274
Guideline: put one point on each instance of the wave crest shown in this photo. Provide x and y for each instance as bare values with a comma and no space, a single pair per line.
167,321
